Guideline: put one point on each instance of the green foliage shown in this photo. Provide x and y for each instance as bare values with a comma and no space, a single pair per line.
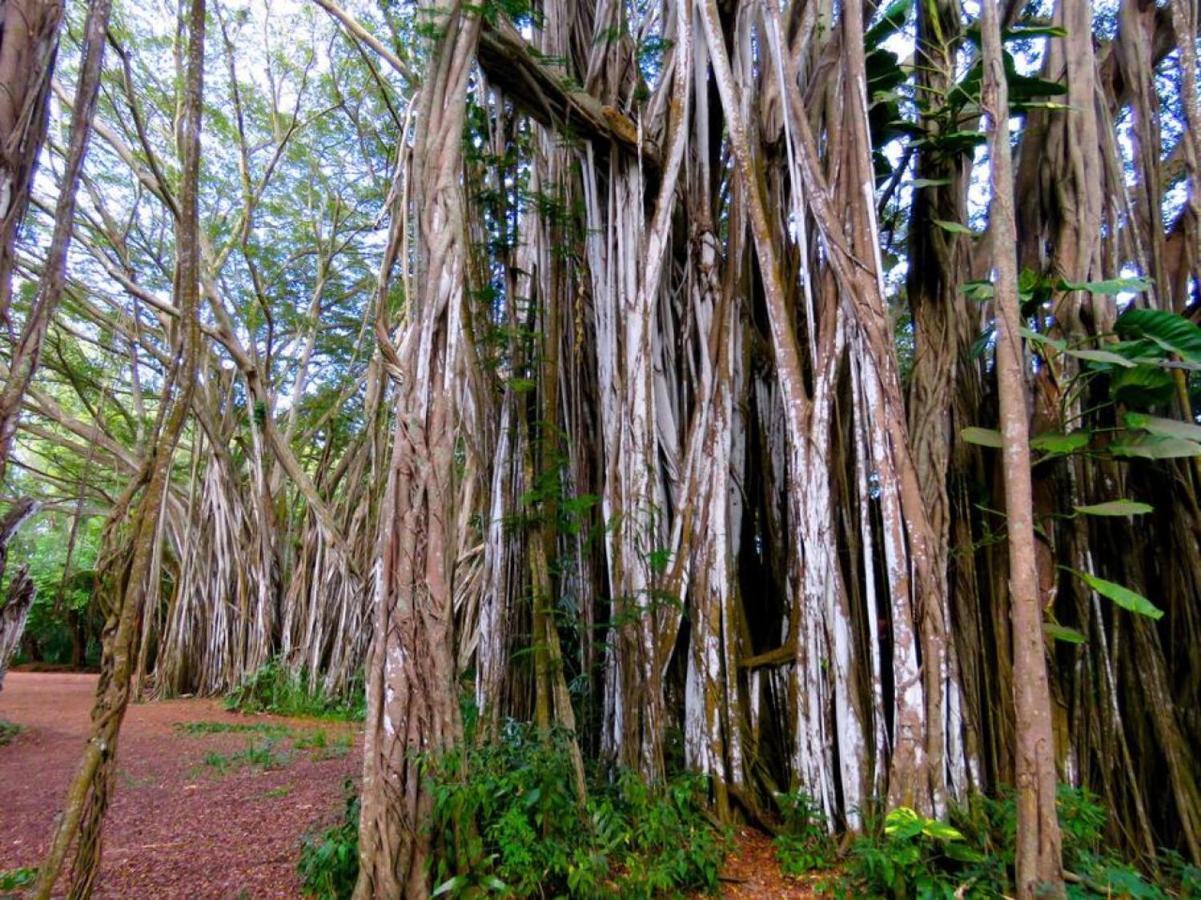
329,859
15,879
918,857
506,821
8,731
263,755
61,604
804,843
275,689
912,856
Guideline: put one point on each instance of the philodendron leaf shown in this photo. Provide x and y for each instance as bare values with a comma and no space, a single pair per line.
1059,444
1172,332
985,437
1062,633
1163,427
1121,507
1110,288
952,227
1104,357
1141,386
1154,446
1122,596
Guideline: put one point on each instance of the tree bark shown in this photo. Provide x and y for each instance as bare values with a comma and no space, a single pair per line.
1038,854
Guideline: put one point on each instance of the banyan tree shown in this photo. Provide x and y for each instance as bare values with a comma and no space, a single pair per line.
800,394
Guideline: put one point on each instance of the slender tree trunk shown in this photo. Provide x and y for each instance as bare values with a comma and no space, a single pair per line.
90,789
1039,865
28,350
28,47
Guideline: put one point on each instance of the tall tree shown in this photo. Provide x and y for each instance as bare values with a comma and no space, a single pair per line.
126,571
412,700
1039,864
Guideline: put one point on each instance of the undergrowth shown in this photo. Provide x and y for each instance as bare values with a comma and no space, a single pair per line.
506,822
906,855
274,688
13,881
8,731
329,858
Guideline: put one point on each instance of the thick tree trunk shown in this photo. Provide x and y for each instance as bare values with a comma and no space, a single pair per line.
412,695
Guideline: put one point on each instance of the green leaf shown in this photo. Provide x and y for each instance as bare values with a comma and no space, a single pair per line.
1141,386
1122,596
1037,338
1109,288
1163,427
1019,32
940,830
1121,507
1060,444
979,290
952,227
1104,357
985,437
1061,633
449,885
930,182
1169,330
1154,446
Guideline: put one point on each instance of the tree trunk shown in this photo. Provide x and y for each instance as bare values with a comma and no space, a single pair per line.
1039,865
412,694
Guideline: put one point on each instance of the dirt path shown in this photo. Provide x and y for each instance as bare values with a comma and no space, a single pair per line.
178,826
191,819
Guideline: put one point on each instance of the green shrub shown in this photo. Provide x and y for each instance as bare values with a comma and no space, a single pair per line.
917,857
804,842
15,879
974,857
329,859
506,821
8,731
274,688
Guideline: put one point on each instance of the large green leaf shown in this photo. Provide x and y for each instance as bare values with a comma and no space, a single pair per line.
1110,288
1104,357
985,437
1060,444
1169,330
1121,507
1142,386
1062,633
1155,446
952,227
1122,596
1174,428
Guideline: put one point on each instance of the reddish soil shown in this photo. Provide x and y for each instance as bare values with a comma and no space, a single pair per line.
177,826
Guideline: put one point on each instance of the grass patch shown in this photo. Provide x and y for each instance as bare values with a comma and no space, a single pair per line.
200,728
8,731
279,792
264,755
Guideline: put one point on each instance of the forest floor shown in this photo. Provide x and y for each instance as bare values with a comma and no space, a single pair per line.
201,811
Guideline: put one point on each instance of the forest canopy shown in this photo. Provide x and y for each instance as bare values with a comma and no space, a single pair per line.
798,395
